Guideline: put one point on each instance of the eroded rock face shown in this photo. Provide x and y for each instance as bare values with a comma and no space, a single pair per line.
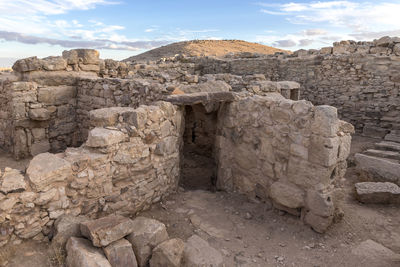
198,252
378,193
100,137
82,254
147,233
106,230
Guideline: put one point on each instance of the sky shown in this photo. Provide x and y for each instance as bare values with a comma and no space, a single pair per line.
122,28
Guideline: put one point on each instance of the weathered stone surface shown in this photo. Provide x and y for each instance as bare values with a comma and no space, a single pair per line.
12,181
45,169
39,114
54,63
168,254
27,64
147,233
40,147
101,137
106,230
287,195
318,223
198,252
107,116
378,169
120,254
56,95
378,193
80,253
326,121
66,226
320,204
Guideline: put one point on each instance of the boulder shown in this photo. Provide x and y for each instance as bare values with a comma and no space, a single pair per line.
147,234
54,63
100,137
45,169
378,193
168,254
27,64
318,223
65,227
106,230
80,253
198,252
120,254
12,181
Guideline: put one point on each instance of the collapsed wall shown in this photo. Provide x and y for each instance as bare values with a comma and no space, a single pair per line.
130,160
360,79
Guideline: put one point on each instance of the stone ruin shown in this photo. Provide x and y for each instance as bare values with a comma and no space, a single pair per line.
111,138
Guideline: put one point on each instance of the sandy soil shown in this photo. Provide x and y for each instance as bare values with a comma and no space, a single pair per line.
251,233
218,48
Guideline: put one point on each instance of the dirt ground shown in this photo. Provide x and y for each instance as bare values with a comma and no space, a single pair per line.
250,233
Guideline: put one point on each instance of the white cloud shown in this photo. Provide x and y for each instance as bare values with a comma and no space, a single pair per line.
345,19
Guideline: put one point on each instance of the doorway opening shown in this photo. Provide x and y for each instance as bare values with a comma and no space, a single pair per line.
199,169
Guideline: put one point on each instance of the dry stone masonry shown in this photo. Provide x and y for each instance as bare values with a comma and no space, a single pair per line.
111,138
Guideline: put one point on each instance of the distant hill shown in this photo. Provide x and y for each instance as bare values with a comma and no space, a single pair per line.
217,48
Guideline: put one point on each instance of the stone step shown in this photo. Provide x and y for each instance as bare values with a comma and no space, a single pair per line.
378,169
378,193
393,136
388,145
383,154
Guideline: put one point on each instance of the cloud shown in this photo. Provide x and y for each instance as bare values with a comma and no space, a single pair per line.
96,44
305,42
314,32
285,43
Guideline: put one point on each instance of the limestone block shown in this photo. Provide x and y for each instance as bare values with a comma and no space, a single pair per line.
100,137
27,64
320,204
71,56
89,67
54,63
307,174
346,127
323,150
167,146
376,254
378,193
302,107
38,133
106,230
396,50
147,234
45,169
39,114
56,95
80,253
378,169
137,118
299,151
66,226
326,50
130,153
326,121
168,254
12,181
88,56
24,96
107,116
45,197
318,223
344,148
281,114
23,86
287,195
198,252
120,254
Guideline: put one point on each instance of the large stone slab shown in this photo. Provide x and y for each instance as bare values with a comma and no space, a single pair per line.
198,252
47,168
106,230
378,169
378,193
168,254
101,137
120,254
81,253
376,254
287,195
147,234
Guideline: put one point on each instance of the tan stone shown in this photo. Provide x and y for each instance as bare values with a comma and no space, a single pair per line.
287,195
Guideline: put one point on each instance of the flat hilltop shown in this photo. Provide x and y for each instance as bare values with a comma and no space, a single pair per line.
217,48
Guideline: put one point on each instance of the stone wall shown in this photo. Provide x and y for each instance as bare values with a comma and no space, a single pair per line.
130,160
360,79
289,151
